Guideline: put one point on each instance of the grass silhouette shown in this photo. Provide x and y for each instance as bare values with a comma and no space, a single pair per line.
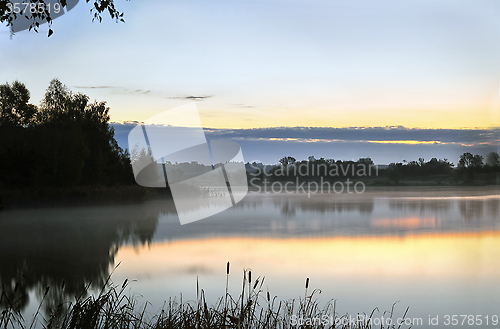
253,308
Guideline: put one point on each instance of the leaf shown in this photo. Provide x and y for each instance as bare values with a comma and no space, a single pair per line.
50,32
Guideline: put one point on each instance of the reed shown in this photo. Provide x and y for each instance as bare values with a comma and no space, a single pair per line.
254,308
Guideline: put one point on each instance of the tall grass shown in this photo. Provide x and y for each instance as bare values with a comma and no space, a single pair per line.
113,308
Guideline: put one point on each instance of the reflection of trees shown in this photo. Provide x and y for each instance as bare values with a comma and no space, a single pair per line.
420,205
471,209
77,246
290,206
288,209
493,206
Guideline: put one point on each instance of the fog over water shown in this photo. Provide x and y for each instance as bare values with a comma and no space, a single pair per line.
434,250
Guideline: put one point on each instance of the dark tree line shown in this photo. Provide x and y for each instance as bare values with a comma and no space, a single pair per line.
330,169
467,166
312,168
397,171
65,141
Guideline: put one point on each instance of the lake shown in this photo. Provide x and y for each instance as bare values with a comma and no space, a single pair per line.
434,250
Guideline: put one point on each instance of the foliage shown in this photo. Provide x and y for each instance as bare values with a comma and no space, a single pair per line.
149,170
44,15
15,109
288,160
399,170
66,141
326,169
467,160
493,159
433,172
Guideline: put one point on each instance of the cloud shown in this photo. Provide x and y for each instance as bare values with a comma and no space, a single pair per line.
95,87
396,134
383,144
192,98
140,91
122,90
116,90
378,135
243,106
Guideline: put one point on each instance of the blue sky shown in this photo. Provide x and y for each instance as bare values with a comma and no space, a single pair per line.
255,64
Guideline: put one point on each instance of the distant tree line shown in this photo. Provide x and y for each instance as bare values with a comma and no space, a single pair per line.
467,166
329,169
68,141
65,141
312,168
397,171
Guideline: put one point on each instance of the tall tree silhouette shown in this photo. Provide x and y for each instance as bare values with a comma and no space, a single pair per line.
68,142
15,109
493,159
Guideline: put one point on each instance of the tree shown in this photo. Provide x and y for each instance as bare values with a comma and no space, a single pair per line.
57,101
493,159
148,169
469,163
15,109
466,160
288,160
477,161
69,143
395,171
44,11
367,161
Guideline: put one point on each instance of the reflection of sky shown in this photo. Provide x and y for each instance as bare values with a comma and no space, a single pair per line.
432,274
375,213
437,251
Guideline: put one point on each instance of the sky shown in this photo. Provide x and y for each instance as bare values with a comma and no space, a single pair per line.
382,144
265,64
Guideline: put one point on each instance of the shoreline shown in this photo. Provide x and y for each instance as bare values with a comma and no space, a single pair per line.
11,198
117,195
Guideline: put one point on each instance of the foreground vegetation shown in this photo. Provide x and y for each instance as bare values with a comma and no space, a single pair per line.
253,308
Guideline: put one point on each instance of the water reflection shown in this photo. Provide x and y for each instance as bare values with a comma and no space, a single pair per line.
281,215
433,274
289,206
420,205
493,206
77,246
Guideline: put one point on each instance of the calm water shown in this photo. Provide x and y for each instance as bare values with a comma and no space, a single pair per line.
434,250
